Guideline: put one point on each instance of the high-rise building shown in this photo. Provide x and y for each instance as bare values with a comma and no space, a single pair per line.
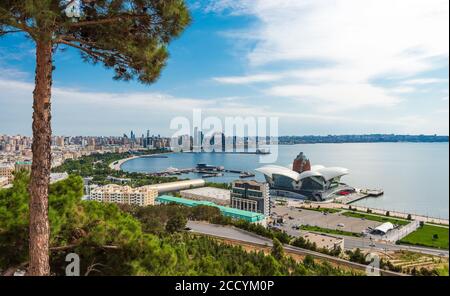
223,143
246,144
251,196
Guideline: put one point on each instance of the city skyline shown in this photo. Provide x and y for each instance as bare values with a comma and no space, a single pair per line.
230,62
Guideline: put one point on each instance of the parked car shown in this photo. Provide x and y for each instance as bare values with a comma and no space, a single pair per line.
341,225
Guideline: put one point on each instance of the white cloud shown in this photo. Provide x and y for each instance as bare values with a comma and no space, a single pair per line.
402,90
336,96
78,112
351,42
424,81
248,79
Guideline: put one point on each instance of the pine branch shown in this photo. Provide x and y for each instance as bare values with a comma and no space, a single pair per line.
88,51
111,20
2,33
67,40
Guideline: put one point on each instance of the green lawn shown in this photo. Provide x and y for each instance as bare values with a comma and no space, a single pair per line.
322,210
424,237
374,217
329,231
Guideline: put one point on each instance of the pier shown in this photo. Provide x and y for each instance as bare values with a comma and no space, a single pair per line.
358,195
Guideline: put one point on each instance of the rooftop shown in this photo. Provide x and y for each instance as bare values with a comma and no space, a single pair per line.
327,173
225,210
210,192
113,188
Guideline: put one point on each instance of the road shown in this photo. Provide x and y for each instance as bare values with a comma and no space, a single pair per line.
247,237
364,243
349,242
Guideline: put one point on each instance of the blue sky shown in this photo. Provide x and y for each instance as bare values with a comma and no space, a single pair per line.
320,66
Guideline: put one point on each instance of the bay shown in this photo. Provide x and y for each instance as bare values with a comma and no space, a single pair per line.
414,176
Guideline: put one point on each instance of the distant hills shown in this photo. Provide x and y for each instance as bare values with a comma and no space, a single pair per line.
373,138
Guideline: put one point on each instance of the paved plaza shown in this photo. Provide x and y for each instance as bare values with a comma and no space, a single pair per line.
294,216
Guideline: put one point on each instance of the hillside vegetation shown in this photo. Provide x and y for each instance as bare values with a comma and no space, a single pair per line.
110,241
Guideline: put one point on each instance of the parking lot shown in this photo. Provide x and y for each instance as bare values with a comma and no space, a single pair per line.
294,216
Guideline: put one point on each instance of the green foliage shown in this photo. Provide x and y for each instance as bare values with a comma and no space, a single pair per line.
378,218
97,166
277,250
360,257
428,236
129,36
330,231
324,210
110,241
356,256
176,223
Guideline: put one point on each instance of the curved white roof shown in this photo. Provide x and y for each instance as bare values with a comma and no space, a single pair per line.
385,227
269,170
307,174
316,171
332,172
317,167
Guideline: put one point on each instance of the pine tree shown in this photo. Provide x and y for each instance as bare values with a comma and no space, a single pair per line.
277,249
128,36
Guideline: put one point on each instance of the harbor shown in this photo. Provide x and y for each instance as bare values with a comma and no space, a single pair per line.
399,194
205,170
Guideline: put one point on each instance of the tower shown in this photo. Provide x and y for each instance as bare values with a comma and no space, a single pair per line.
301,163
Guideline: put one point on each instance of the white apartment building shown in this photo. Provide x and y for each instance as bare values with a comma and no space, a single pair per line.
7,171
3,182
142,196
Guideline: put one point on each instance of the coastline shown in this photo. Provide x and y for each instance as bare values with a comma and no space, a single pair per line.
116,165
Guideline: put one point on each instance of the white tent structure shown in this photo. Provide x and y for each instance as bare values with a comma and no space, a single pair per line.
384,228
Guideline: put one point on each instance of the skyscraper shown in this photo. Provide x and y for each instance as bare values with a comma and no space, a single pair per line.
223,142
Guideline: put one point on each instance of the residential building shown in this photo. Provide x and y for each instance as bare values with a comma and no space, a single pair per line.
7,171
142,196
251,196
3,182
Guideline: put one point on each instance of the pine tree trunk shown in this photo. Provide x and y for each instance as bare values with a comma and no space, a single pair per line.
40,171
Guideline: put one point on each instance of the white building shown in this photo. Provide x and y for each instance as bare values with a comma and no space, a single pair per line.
7,171
3,182
142,196
177,185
